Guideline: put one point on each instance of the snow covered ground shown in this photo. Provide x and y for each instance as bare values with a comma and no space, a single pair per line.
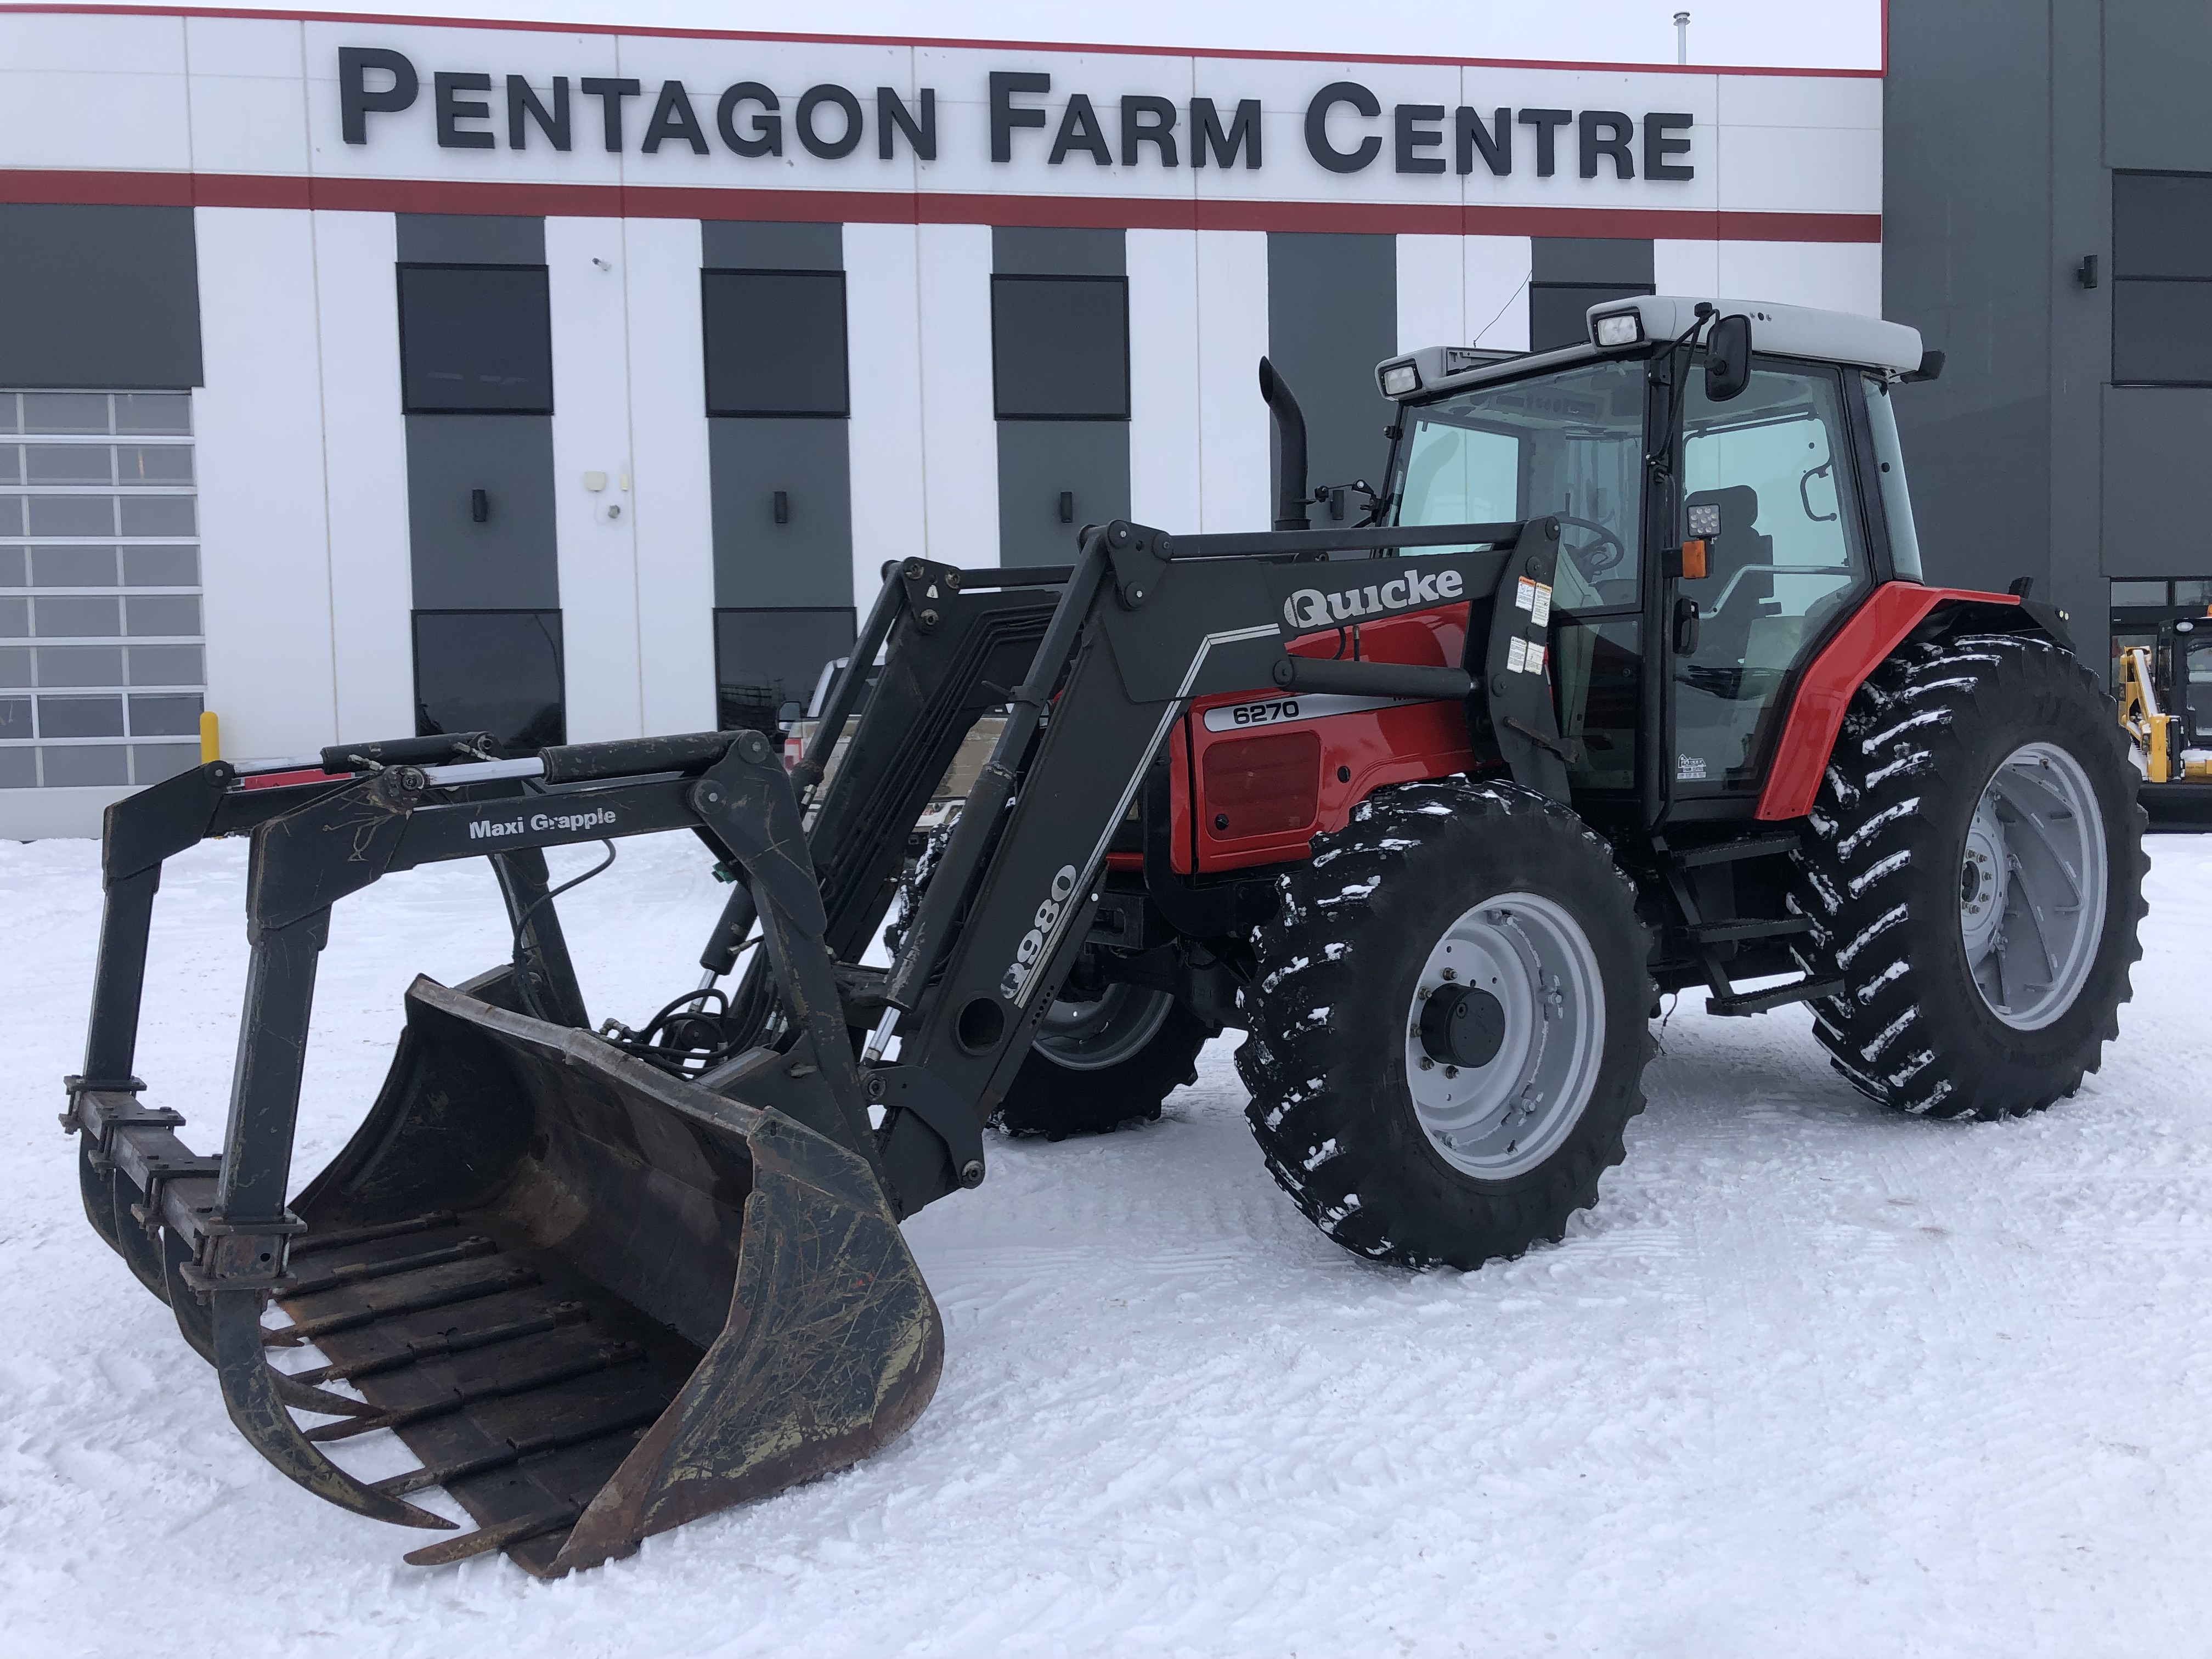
1812,1380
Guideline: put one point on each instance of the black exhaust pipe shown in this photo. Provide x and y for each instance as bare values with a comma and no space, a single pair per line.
1291,441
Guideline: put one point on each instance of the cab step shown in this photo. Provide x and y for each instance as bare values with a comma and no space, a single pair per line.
1807,989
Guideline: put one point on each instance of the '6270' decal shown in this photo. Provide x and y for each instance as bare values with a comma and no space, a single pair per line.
1279,711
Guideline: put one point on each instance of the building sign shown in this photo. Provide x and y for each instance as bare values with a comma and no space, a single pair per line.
1020,119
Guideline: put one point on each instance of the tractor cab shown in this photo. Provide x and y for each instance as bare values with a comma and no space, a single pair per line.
1719,519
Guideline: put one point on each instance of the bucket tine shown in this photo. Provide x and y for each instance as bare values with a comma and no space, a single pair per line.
251,1394
199,1330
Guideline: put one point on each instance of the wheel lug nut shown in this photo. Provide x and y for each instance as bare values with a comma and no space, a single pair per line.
1451,1070
1451,973
1428,1064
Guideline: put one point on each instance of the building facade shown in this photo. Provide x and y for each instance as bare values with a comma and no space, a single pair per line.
2048,215
359,377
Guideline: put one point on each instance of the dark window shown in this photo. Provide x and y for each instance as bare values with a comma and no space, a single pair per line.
775,342
765,660
475,339
2162,278
1557,311
1059,348
491,671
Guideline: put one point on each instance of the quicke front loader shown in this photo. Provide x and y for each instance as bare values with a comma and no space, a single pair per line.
1628,684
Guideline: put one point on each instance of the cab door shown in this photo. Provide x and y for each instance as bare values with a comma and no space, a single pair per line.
1765,482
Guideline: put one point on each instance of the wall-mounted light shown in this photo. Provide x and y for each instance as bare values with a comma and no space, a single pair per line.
2086,272
782,507
1067,506
479,506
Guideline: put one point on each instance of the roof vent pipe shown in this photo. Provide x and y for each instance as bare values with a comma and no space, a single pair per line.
1682,37
1290,443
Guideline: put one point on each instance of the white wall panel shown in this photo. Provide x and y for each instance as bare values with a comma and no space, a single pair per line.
959,433
1232,336
249,96
364,438
90,91
883,335
1431,291
1497,270
1840,276
1691,267
672,506
1167,469
264,548
591,434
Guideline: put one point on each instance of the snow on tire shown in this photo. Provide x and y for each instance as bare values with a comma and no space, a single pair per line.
1448,1023
1974,870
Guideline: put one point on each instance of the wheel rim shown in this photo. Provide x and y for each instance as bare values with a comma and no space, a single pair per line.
1544,1037
2031,887
1110,1028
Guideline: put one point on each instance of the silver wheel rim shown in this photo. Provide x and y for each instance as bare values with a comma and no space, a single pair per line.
2031,887
1506,1116
1114,1026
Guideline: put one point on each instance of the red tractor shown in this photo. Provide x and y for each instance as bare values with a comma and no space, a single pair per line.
1628,683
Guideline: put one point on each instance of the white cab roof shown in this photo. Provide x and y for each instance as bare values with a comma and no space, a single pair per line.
1836,337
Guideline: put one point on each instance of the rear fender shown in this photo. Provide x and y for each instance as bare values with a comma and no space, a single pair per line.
1894,614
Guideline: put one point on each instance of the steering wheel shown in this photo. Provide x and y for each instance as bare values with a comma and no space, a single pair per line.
1610,549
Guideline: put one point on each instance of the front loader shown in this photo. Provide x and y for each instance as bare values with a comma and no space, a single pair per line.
1628,684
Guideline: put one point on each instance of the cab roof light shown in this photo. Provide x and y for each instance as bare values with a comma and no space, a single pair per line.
1401,379
1617,328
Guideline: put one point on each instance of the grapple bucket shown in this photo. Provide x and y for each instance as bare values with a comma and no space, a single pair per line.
600,1285
598,1300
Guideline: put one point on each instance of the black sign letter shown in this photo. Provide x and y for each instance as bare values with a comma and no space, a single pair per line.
846,143
1496,142
1005,118
673,117
1547,122
1659,144
1079,130
356,103
1622,128
1207,134
1340,161
610,94
521,101
1160,129
452,111
1415,132
767,138
891,115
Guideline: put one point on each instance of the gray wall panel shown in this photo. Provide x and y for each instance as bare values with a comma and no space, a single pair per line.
2158,69
758,561
99,297
1967,260
471,238
1332,316
1038,459
739,244
1033,250
2158,488
508,563
1612,261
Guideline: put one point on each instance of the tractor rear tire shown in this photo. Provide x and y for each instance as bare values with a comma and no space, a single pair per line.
1094,1068
1973,871
1448,1023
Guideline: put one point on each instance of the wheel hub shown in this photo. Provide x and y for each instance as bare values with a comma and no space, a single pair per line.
1462,1025
1504,1035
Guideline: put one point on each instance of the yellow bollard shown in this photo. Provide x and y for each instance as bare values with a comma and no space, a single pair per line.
210,743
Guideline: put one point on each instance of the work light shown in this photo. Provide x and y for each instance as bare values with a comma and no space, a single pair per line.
1617,328
1401,380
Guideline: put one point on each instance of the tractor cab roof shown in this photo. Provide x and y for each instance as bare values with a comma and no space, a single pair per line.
1622,327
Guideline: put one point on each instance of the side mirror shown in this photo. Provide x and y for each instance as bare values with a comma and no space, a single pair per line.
1727,358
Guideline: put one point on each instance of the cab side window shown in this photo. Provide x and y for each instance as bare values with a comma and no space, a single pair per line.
1785,554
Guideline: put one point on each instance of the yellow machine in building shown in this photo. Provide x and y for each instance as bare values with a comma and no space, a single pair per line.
2165,704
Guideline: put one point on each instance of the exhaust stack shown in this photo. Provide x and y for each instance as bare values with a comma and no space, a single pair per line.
1291,441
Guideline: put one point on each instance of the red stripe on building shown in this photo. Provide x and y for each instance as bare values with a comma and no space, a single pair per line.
254,190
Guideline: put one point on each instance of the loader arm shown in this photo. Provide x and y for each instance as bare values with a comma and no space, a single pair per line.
1146,622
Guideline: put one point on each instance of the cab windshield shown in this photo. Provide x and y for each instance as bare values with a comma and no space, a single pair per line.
1569,445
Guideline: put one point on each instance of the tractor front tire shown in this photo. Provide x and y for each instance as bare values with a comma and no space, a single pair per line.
1973,871
1449,1023
1098,1065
